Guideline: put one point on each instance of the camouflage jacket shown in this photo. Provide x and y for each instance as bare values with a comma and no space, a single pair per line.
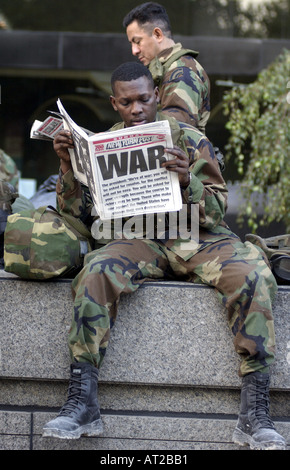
183,85
207,190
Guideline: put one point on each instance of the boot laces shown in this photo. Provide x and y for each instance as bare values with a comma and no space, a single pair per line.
262,406
74,392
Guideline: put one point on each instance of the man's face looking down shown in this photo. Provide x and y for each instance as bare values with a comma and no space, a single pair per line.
145,41
136,101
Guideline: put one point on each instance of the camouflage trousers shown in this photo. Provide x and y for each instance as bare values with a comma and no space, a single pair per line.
238,271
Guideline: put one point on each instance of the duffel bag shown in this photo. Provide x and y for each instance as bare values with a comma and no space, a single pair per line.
42,244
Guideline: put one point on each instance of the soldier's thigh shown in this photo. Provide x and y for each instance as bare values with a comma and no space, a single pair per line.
128,256
229,264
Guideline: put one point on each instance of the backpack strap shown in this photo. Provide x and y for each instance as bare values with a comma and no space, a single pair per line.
177,56
158,69
76,223
277,250
272,245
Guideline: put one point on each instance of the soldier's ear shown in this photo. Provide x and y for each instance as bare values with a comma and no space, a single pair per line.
157,96
158,34
113,102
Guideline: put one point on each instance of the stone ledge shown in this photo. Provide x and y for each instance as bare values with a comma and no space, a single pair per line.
169,381
166,333
127,432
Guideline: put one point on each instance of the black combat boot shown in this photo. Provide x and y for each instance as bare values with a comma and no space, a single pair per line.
7,197
80,415
255,427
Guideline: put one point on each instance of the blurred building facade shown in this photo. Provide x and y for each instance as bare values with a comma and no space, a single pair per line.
68,49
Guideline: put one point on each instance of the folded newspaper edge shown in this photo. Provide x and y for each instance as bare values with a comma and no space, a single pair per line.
122,168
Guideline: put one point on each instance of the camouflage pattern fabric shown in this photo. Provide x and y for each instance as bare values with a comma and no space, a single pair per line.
277,250
184,86
243,280
239,271
9,174
40,244
279,245
8,196
8,170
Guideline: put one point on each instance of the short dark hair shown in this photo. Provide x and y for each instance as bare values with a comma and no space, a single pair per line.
130,71
152,13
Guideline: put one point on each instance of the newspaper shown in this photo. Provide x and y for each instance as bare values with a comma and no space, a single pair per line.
123,168
47,129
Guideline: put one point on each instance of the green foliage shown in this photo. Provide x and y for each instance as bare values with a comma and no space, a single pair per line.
259,142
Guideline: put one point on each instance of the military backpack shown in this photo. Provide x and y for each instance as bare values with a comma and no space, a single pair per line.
43,244
277,250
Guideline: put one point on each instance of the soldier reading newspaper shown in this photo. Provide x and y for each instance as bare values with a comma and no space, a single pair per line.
238,271
122,168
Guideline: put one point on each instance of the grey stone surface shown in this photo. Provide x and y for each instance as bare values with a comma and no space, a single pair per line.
166,333
14,423
128,432
169,381
15,443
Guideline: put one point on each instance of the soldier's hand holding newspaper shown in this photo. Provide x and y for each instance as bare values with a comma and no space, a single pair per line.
178,165
62,142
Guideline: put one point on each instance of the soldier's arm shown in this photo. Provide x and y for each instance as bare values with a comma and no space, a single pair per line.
207,187
72,197
185,96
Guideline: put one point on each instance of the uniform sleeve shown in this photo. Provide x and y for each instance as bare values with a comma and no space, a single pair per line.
207,187
73,198
184,94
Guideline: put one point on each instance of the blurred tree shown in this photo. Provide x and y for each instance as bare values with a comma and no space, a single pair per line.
188,17
259,142
266,19
277,19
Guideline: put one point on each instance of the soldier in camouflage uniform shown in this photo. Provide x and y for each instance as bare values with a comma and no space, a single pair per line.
238,271
8,170
9,180
184,86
